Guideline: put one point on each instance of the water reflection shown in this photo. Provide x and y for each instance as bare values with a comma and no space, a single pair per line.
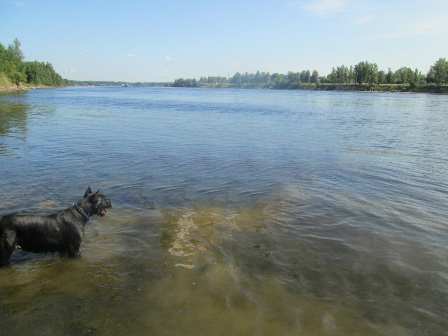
13,124
238,212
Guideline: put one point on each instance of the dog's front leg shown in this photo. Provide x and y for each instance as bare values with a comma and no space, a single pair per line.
73,250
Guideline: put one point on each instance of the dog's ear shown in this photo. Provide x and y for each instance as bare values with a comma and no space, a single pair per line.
97,194
88,191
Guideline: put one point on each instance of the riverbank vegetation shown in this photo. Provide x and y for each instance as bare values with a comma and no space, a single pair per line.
15,72
115,83
364,76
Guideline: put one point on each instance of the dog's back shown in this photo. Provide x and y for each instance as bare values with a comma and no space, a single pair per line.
36,233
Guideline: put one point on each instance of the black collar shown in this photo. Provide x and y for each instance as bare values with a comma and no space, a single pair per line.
81,211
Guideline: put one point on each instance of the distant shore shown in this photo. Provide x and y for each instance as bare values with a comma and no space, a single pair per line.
392,88
398,88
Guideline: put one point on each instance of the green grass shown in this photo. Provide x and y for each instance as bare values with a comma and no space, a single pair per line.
5,81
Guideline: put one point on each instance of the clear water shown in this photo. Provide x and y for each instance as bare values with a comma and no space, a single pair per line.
235,212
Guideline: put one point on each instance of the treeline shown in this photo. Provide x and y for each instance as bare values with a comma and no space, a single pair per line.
114,83
19,72
361,73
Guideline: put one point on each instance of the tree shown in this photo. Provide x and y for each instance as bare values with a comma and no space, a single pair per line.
15,54
11,62
2,58
307,76
430,76
381,77
294,79
279,81
315,77
440,69
351,75
237,79
390,77
404,75
359,72
371,73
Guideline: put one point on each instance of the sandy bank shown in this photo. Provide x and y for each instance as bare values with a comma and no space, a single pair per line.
15,88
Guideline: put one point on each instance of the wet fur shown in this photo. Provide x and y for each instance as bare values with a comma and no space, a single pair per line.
59,232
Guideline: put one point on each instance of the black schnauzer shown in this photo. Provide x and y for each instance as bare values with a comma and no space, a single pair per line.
60,232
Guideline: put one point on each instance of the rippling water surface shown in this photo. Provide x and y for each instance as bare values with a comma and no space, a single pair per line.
235,212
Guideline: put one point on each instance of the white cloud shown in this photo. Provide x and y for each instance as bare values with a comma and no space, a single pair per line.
15,3
83,54
326,7
364,19
236,63
168,59
131,55
429,27
433,26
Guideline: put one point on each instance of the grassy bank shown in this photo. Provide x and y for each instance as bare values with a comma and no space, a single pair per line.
5,81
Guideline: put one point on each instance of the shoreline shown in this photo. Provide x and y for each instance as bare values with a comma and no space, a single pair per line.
424,89
15,88
375,88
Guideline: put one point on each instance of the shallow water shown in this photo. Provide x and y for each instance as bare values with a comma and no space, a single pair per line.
234,212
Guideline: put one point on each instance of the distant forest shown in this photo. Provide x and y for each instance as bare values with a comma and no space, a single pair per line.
115,83
15,71
361,73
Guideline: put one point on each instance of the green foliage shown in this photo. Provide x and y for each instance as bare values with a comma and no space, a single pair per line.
390,77
439,71
39,73
13,66
4,80
185,83
315,77
381,77
11,62
364,73
340,75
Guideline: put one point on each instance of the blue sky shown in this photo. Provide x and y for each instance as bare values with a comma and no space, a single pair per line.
157,40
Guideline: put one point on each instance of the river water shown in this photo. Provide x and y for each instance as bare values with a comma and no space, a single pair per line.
235,212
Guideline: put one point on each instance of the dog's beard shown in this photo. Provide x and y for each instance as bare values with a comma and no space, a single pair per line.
102,212
103,207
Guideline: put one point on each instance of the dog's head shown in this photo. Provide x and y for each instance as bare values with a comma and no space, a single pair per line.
99,204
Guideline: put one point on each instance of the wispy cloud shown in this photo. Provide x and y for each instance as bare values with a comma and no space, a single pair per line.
131,55
14,3
235,63
364,19
436,26
84,54
326,7
168,59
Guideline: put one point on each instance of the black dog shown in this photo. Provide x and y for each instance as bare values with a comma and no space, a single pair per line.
60,232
